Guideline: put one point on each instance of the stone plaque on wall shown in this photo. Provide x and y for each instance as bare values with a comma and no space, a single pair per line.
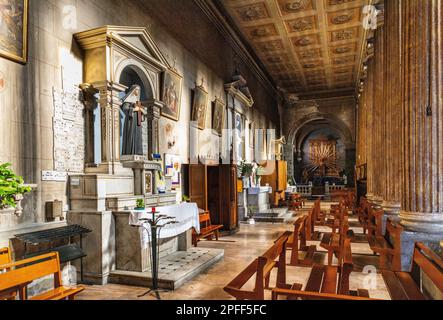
69,137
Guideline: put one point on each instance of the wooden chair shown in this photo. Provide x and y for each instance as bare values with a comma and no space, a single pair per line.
327,282
407,285
297,243
20,274
261,268
207,229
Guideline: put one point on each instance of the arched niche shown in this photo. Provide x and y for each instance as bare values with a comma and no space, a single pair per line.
112,55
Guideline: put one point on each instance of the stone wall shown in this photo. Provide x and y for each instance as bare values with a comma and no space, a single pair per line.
55,62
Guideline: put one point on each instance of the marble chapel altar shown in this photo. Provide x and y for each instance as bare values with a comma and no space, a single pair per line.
117,59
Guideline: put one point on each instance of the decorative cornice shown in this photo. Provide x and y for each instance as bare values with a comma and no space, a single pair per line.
215,15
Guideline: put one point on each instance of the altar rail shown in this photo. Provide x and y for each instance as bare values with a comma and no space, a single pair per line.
304,190
332,188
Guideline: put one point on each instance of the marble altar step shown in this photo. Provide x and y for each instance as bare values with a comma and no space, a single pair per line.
174,270
275,215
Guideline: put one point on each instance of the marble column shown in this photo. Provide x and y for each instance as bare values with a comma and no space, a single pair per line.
393,120
154,108
378,131
370,139
422,203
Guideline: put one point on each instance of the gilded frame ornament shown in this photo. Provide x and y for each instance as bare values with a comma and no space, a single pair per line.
21,53
172,87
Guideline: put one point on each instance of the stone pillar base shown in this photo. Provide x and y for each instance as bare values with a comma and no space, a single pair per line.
408,240
431,223
392,211
99,245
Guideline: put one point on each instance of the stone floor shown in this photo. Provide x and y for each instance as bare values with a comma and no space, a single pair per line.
240,250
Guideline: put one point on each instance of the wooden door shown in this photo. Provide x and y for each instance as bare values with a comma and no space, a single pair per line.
198,185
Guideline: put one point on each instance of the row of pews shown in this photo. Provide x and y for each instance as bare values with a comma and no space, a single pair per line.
384,238
331,282
15,277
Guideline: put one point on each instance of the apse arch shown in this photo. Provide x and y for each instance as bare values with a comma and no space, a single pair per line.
329,120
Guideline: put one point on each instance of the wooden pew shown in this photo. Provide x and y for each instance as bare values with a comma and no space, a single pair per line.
207,230
328,282
5,256
261,268
407,285
20,274
363,213
297,243
333,241
389,247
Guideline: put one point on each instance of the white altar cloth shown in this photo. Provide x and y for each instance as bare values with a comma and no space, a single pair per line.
186,215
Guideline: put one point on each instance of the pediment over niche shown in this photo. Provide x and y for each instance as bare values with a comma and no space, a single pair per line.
136,41
239,90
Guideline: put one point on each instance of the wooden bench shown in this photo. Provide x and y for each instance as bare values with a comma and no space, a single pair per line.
363,213
407,285
332,241
327,282
207,229
20,274
5,256
261,268
297,243
388,246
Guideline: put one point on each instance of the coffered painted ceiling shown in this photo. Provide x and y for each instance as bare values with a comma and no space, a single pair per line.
308,46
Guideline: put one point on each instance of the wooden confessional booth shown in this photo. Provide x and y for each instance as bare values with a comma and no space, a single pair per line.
214,188
278,181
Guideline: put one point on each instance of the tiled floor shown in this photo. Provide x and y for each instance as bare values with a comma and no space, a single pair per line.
240,250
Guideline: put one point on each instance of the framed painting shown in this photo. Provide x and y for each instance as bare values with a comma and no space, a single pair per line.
171,94
173,166
218,119
14,30
199,106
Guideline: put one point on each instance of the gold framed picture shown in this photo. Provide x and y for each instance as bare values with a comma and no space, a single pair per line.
218,119
199,107
14,30
171,94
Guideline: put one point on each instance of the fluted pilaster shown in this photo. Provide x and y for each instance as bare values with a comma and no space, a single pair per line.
422,198
393,180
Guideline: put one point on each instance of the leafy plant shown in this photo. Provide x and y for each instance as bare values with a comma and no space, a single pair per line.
140,204
245,169
11,186
252,211
185,198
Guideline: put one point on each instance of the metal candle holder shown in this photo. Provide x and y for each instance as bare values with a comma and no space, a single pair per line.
157,223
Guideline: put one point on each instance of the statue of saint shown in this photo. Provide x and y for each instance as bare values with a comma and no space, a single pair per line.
134,117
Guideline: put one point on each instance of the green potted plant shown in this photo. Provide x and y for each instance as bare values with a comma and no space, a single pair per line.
252,210
12,189
140,205
185,198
